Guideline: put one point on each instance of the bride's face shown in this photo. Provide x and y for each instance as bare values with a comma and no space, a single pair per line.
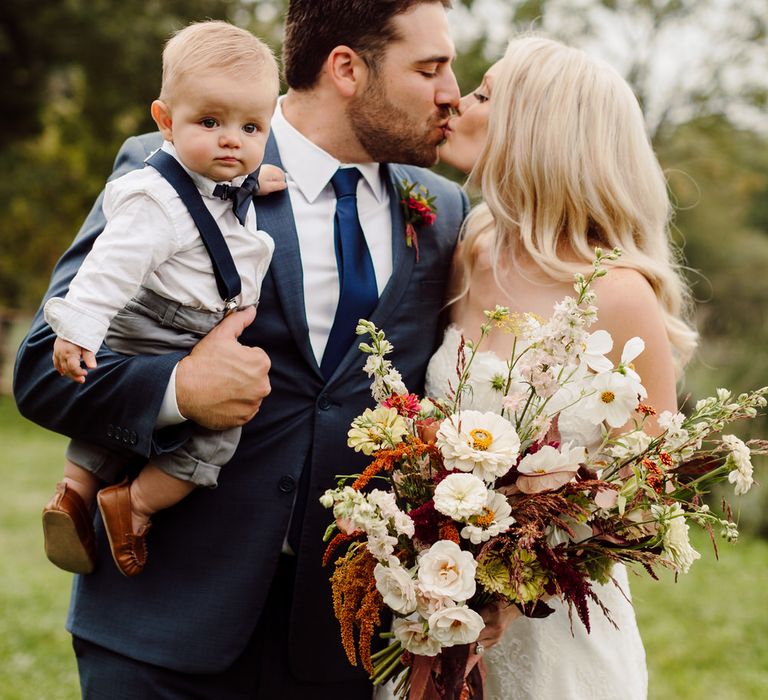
467,131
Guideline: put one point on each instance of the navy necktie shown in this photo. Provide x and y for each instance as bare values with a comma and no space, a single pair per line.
358,293
241,196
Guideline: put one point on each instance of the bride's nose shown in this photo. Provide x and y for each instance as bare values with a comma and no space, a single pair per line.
464,104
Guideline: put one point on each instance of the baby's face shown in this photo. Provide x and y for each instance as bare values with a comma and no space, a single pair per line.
220,123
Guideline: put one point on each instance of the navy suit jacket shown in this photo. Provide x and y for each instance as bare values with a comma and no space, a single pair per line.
213,555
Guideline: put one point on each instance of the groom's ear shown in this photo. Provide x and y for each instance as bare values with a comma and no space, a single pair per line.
347,70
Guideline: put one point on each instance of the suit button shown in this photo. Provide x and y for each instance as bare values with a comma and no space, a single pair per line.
324,402
134,438
286,484
126,435
110,430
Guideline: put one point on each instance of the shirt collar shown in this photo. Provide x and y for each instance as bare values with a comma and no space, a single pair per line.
203,183
312,168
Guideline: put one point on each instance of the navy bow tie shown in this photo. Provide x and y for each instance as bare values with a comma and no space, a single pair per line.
241,196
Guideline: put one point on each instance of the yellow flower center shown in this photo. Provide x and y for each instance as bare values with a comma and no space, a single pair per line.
607,397
486,519
481,439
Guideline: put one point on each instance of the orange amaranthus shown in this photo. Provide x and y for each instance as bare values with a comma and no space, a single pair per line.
356,602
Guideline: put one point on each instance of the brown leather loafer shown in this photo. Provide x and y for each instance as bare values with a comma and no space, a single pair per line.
129,549
70,543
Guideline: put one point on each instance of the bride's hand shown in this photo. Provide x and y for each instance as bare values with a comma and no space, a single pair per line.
497,617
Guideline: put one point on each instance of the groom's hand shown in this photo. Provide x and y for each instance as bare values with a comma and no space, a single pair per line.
222,383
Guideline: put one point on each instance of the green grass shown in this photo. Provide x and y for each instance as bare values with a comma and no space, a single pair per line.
706,636
36,660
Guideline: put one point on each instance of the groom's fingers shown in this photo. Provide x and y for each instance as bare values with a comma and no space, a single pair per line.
235,323
222,383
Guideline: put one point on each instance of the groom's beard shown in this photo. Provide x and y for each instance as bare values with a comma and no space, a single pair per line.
389,134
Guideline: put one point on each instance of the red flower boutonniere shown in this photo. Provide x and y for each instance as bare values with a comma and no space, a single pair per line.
418,209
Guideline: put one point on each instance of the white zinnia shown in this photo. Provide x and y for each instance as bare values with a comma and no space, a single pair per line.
460,496
498,509
445,570
484,443
415,638
396,586
457,625
376,429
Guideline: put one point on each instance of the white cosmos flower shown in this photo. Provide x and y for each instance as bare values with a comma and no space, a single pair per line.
495,519
484,443
445,570
457,625
396,586
460,495
415,637
598,345
632,348
614,400
549,468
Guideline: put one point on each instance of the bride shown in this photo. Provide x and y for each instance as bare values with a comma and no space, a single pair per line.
556,141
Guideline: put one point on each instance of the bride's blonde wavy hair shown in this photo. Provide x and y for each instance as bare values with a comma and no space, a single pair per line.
567,166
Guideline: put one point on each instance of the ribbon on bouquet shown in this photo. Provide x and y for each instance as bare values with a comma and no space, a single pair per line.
445,676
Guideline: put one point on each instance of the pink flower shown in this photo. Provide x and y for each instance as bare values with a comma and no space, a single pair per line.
407,405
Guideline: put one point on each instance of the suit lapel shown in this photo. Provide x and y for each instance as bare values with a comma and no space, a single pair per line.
403,257
275,216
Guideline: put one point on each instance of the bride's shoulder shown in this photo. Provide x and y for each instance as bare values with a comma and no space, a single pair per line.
625,298
623,286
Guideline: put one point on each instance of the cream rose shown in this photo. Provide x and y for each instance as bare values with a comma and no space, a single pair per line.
415,638
396,587
447,571
457,625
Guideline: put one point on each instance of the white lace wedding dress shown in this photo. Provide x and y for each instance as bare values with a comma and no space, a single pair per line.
545,659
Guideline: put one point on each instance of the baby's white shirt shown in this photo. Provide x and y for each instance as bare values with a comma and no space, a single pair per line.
150,240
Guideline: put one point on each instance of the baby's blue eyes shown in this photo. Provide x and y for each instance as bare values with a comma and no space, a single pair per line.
211,123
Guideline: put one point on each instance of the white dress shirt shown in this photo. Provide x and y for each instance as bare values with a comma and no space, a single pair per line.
151,241
309,170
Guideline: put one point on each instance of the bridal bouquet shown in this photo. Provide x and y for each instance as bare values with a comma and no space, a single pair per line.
459,509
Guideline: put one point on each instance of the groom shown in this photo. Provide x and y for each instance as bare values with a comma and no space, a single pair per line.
234,602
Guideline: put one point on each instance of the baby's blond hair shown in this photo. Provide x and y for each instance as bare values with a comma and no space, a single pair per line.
216,45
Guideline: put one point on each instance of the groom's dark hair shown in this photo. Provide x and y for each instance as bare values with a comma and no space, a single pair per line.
313,28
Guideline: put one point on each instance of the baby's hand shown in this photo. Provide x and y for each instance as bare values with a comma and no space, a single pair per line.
67,357
271,179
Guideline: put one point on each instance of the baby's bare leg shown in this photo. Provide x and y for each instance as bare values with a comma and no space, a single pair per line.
82,482
153,490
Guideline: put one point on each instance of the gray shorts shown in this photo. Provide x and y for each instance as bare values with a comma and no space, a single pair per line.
152,325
